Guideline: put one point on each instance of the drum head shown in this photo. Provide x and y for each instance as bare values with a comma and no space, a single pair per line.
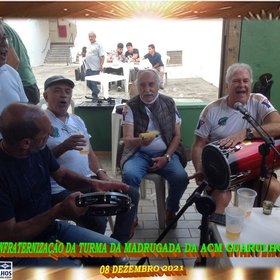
215,167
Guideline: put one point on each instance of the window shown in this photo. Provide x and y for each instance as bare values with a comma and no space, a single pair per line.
176,58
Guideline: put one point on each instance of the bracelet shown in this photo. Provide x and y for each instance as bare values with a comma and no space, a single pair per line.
100,169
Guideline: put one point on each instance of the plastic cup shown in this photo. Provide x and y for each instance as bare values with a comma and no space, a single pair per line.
118,101
245,200
267,207
85,149
234,222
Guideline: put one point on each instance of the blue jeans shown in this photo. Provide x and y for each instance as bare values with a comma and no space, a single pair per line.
123,223
92,85
73,234
136,167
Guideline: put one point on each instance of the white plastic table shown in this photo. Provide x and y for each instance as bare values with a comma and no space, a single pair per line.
258,228
104,80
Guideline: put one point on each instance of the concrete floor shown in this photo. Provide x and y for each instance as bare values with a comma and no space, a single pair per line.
188,88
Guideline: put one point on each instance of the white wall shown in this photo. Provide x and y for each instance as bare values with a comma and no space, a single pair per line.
200,41
34,34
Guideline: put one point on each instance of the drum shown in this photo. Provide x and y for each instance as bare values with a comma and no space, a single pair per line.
228,167
105,203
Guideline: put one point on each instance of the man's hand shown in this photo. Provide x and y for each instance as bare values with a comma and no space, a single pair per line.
74,142
68,208
233,139
109,186
157,163
198,176
148,137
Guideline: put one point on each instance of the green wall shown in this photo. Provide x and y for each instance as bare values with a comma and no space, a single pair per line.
98,122
260,47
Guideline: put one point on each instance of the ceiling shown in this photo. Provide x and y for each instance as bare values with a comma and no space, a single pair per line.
137,9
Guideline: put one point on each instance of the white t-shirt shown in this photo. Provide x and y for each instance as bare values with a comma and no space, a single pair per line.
94,52
72,159
11,88
158,144
218,120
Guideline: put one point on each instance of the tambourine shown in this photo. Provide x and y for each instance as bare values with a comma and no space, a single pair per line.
105,203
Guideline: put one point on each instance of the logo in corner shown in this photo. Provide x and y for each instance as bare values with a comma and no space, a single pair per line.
6,270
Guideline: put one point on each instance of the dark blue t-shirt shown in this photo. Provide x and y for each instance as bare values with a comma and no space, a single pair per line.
154,59
25,189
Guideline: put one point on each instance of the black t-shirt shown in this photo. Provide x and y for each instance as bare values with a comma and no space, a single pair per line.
25,189
130,54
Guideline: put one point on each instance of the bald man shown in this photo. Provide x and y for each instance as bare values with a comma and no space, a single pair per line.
26,164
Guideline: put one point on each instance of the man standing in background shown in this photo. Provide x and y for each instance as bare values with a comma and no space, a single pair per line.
18,58
94,59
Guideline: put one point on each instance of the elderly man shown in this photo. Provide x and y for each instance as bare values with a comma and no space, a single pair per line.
66,143
94,62
220,121
158,152
26,164
11,88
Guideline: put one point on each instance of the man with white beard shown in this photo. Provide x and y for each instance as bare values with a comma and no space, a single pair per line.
152,140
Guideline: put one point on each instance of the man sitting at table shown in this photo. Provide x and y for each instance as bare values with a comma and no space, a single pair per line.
116,57
132,54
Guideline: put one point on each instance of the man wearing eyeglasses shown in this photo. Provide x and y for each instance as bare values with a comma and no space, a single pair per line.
11,88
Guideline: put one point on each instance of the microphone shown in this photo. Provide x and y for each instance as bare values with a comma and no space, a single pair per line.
239,106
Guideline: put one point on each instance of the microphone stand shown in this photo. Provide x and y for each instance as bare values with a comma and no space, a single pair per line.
205,206
264,150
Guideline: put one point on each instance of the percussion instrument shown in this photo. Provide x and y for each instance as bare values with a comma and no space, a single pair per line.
228,167
105,203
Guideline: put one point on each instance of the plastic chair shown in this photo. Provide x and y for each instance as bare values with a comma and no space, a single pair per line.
160,184
158,180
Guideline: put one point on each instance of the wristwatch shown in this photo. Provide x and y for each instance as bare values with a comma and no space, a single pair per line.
249,134
167,157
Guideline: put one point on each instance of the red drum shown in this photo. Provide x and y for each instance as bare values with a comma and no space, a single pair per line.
105,203
228,167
